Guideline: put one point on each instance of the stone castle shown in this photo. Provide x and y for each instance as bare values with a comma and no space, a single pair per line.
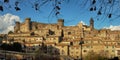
66,39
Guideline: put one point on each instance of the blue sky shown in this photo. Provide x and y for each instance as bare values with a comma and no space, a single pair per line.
71,12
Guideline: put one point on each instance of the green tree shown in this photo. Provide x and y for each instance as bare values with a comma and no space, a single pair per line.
94,56
42,55
5,46
110,8
12,47
10,32
17,46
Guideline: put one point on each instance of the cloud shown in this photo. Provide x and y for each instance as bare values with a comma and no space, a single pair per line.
79,23
83,23
7,22
111,27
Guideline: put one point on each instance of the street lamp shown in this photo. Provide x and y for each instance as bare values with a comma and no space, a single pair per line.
81,42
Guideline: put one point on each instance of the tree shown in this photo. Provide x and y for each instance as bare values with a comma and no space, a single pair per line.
1,38
94,56
41,53
35,4
5,46
109,8
17,47
12,47
10,32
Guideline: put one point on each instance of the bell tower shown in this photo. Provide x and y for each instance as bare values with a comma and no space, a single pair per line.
91,23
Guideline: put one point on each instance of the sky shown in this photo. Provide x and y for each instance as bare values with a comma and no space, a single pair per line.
71,12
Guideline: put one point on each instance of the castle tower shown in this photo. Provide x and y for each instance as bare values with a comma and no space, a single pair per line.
61,22
17,27
91,24
27,24
80,25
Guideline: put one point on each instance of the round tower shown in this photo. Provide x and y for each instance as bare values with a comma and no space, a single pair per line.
80,25
17,27
91,24
27,24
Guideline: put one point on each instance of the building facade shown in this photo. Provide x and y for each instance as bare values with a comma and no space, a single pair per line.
66,39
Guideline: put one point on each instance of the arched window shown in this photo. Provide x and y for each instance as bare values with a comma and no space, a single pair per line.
69,33
63,52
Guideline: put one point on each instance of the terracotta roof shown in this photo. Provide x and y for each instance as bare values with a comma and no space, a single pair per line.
67,41
110,40
53,36
117,46
75,46
62,44
32,42
20,33
49,42
28,36
72,40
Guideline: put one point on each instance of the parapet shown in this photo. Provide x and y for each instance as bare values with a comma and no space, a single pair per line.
28,19
60,20
17,22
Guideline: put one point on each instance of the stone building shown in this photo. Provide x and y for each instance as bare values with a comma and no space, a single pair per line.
66,39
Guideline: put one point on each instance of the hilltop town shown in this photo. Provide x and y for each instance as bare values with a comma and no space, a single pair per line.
73,41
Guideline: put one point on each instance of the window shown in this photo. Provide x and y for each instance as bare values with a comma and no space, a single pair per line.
72,48
51,32
98,41
77,47
77,56
62,46
91,41
118,43
92,50
63,52
86,41
91,46
113,50
76,52
87,46
118,52
106,51
84,50
112,46
71,52
106,46
69,33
